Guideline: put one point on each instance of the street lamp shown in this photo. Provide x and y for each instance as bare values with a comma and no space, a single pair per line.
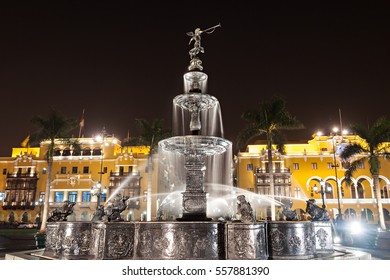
335,165
98,192
39,203
322,191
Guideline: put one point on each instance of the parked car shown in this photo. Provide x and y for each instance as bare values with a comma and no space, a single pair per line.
27,225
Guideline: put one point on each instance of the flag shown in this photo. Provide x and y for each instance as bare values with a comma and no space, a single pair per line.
25,142
81,122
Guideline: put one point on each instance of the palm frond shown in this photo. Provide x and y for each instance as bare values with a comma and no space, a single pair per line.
54,126
151,132
351,150
352,169
268,119
247,134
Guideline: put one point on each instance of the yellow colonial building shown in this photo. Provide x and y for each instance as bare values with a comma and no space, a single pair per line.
99,169
300,172
106,167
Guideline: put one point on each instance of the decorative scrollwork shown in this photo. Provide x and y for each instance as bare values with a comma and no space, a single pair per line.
322,236
277,240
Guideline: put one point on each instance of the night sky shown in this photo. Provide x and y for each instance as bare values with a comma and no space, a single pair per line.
122,60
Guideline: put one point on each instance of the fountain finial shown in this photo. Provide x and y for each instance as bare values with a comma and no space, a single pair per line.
196,63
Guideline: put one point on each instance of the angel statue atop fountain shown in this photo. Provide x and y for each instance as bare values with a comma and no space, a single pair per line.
195,36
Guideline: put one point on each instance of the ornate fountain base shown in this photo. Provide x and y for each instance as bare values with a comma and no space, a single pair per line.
136,240
291,240
246,241
68,240
188,240
179,240
324,237
193,240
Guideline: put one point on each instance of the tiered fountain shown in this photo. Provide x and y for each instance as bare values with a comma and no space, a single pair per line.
189,161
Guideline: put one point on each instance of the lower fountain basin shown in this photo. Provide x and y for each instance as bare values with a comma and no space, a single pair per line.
189,240
291,240
136,240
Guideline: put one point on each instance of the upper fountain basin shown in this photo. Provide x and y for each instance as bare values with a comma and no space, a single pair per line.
206,145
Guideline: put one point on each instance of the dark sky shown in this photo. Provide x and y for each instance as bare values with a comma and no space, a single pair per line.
122,60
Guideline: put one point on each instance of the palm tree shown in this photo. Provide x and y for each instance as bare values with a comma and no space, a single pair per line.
55,126
268,120
150,134
374,147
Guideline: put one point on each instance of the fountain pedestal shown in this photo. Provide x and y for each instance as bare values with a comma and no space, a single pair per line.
194,198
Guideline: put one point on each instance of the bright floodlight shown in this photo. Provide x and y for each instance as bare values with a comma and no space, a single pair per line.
335,129
337,240
345,131
319,133
99,138
355,227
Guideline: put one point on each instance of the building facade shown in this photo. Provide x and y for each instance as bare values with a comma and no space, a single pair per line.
96,170
300,172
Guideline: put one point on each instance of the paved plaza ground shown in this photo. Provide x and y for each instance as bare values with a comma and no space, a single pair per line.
16,240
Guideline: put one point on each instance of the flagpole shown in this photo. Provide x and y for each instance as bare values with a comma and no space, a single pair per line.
341,121
81,123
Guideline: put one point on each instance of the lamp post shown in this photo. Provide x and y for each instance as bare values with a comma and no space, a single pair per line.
335,130
322,191
98,190
39,203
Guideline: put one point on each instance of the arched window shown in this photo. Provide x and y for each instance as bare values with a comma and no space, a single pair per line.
97,152
350,214
76,151
87,152
385,193
66,152
57,152
25,217
367,215
360,191
329,191
11,217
